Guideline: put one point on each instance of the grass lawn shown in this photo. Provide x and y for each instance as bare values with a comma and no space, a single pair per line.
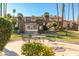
67,38
73,38
64,32
16,36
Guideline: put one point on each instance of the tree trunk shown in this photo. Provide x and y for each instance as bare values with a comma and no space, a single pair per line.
73,15
68,14
54,29
46,20
78,11
78,18
62,15
57,14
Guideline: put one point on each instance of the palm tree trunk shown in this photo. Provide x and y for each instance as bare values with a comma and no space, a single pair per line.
68,10
78,17
68,13
78,11
13,20
73,15
68,17
62,15
57,14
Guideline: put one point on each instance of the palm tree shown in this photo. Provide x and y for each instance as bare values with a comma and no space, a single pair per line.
57,14
68,17
33,17
40,25
62,15
46,15
68,13
55,26
73,15
78,13
8,16
14,11
78,17
21,24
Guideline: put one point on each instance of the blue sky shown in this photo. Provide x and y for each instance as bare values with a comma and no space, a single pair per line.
38,9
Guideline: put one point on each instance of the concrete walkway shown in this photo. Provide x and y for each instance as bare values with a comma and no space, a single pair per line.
14,48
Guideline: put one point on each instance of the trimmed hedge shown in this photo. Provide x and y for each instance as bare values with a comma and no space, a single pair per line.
36,49
5,32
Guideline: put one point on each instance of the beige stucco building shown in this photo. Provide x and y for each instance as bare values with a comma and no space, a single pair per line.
31,24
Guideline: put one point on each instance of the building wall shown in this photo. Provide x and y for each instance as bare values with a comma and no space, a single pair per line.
65,24
31,27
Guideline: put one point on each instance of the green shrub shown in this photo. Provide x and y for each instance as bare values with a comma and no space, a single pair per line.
55,24
45,28
16,29
5,32
36,49
61,29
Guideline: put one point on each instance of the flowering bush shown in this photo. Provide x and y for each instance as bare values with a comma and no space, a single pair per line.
36,49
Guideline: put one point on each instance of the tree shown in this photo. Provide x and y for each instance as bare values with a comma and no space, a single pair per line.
55,26
68,14
14,11
21,23
9,16
68,27
37,20
40,25
33,17
46,15
57,14
62,15
14,20
73,15
78,15
5,32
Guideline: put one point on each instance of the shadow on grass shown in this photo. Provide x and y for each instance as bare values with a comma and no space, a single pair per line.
56,37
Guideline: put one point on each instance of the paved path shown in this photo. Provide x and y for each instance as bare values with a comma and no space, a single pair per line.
14,48
70,49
